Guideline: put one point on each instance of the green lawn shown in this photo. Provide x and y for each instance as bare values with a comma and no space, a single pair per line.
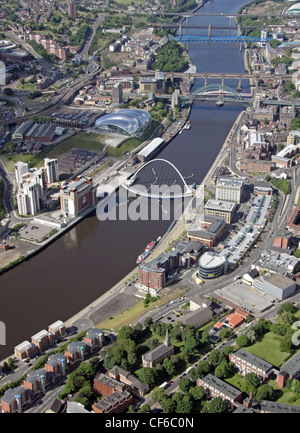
131,143
268,349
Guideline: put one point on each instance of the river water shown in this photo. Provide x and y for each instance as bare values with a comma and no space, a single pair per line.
92,257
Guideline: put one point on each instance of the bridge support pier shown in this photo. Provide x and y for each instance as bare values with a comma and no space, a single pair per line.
239,86
205,80
240,47
223,80
209,30
180,29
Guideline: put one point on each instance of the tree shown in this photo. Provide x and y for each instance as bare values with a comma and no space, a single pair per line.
144,409
249,332
217,405
148,375
252,382
125,332
287,318
215,357
190,344
279,329
170,366
196,392
223,370
184,404
242,341
158,394
185,384
168,405
265,392
287,306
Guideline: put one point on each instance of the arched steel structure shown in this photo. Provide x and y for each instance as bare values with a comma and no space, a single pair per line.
213,92
165,191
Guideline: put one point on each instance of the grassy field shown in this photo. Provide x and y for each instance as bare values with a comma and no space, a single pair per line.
268,349
132,314
81,140
131,143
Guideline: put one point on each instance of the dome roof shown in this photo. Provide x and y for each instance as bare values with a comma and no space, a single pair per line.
295,9
127,121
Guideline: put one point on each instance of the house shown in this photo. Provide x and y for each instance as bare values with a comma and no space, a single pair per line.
58,330
233,320
94,338
25,350
56,365
14,399
43,340
76,352
37,381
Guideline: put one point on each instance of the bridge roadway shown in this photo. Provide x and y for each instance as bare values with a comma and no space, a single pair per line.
220,14
198,26
219,75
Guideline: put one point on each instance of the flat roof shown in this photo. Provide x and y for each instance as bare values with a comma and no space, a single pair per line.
279,281
219,205
147,150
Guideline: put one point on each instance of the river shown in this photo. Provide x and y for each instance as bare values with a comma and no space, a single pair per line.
89,259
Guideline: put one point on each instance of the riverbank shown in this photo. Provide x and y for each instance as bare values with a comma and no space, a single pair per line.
168,238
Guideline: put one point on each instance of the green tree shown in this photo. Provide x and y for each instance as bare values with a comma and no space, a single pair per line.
145,408
185,384
223,370
196,392
265,392
185,405
148,375
168,405
217,405
242,341
252,382
158,394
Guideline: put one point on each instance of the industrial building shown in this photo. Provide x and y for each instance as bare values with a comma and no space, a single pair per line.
276,285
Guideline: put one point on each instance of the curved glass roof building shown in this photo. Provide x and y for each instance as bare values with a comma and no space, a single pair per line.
131,122
295,9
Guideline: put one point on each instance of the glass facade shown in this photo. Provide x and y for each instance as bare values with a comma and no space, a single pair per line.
131,122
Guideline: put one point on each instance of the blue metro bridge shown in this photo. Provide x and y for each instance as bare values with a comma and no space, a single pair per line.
237,38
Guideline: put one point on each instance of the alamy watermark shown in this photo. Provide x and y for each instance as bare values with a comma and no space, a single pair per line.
150,204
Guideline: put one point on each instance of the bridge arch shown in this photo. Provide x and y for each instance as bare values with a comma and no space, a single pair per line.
216,90
186,190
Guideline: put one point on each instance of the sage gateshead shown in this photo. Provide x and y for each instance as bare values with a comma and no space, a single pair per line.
131,122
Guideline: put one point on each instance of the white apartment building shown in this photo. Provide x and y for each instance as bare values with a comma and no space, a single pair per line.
21,168
230,189
51,166
28,199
